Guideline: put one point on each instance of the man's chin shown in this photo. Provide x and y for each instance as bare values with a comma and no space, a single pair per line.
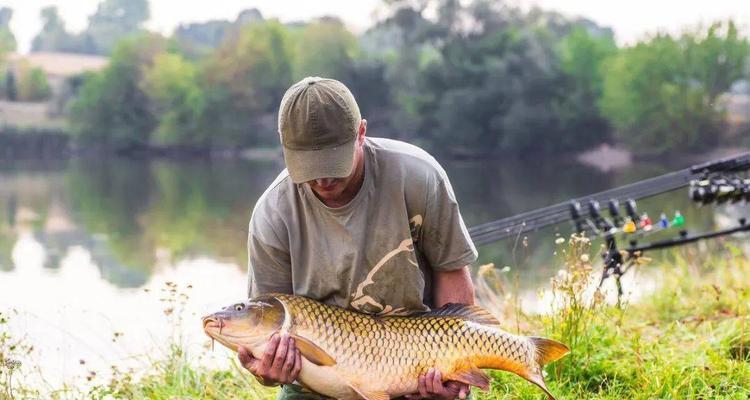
328,194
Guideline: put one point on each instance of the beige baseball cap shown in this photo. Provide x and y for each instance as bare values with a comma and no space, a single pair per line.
318,124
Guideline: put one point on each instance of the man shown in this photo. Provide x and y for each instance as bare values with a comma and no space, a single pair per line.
367,224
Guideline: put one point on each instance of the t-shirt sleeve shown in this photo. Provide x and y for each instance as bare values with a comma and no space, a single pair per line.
269,268
445,240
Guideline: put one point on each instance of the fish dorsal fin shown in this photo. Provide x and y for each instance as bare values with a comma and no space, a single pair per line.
370,395
313,352
473,376
464,311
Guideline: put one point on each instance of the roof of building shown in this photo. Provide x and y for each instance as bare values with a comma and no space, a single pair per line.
63,64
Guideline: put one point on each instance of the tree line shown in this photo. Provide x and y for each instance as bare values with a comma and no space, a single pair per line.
467,78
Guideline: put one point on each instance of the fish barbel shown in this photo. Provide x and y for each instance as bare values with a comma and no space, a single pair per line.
350,355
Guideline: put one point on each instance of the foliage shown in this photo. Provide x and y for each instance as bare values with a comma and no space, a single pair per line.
55,37
582,55
7,40
115,19
111,107
244,81
684,340
177,101
10,88
31,83
199,39
466,78
661,94
13,353
324,48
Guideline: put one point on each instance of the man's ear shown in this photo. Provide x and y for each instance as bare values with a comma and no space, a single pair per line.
362,130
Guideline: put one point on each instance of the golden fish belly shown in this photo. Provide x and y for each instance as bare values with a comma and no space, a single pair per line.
376,355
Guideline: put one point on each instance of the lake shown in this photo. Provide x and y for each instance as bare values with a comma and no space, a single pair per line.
101,260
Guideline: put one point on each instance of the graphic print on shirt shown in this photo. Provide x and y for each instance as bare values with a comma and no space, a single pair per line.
366,303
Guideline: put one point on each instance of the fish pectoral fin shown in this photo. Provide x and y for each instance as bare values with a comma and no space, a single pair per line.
371,395
313,352
473,377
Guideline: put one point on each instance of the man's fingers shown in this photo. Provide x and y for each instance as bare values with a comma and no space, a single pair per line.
249,362
422,386
463,392
243,355
291,355
267,361
437,382
297,364
280,357
277,368
429,380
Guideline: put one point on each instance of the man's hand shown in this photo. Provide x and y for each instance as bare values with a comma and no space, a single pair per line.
280,363
431,386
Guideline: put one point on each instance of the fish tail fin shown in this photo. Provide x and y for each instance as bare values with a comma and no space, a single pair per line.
547,351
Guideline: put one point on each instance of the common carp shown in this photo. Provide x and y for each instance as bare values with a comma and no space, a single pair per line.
350,355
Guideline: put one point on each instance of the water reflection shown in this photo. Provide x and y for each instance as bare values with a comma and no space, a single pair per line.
134,214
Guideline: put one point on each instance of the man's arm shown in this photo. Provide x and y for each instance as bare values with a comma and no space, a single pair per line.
452,287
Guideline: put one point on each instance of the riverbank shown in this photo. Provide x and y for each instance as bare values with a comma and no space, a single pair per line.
686,340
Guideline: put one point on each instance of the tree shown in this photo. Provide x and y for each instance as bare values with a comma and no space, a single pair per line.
31,83
324,48
113,20
176,99
661,94
200,38
53,36
10,90
111,107
244,81
582,56
7,40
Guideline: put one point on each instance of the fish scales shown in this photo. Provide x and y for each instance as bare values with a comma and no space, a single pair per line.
354,339
379,357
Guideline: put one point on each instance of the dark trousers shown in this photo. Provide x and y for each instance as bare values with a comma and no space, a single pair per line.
295,392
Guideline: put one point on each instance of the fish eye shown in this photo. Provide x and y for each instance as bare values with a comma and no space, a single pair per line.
239,307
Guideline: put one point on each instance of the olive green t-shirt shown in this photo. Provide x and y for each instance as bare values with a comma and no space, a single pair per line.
377,253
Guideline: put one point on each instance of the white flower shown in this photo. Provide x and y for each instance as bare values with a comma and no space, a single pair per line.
585,257
559,240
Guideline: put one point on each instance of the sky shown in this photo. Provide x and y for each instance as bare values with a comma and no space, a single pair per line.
630,19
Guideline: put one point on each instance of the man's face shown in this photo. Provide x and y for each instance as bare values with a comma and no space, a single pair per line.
332,189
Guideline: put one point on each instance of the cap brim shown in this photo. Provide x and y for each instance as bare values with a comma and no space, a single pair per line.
307,165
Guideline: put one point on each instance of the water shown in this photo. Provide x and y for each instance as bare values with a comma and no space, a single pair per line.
87,247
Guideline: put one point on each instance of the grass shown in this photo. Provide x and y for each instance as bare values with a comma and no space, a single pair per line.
688,339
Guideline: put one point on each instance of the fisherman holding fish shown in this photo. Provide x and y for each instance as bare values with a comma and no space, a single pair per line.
368,224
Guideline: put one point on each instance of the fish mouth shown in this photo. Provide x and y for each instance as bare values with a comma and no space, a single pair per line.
214,323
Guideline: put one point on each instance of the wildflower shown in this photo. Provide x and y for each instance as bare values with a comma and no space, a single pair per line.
585,258
485,269
559,240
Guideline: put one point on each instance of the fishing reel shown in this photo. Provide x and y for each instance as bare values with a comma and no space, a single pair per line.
719,190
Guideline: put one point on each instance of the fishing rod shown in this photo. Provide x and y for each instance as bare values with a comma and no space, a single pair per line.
533,220
713,182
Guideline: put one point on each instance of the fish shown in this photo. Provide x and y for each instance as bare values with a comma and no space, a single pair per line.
351,355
